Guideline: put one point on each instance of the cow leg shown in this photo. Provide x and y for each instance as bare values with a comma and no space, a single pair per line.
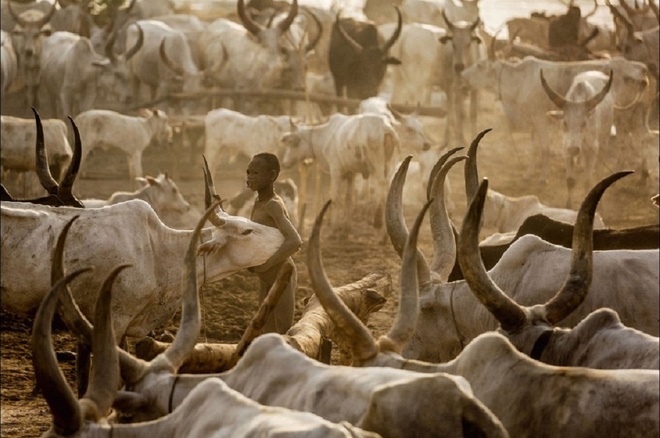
83,367
135,167
449,120
350,204
570,179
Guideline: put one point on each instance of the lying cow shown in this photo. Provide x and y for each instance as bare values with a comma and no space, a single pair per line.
522,392
160,192
451,316
597,341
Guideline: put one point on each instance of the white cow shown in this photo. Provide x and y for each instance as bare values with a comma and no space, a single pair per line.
148,294
229,134
160,192
19,136
27,37
586,114
343,147
530,271
519,390
132,135
597,341
165,63
248,55
516,84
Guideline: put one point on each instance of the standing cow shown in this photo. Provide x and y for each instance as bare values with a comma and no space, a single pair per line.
27,37
586,114
132,135
358,58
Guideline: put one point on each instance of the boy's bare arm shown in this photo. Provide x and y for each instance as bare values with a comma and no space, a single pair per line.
292,241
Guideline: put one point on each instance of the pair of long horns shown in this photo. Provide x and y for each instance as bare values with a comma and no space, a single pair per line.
38,24
255,28
385,47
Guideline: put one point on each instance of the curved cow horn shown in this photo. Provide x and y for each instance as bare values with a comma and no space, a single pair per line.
444,245
436,168
184,342
396,224
248,22
625,20
577,283
470,171
210,194
284,25
363,345
448,22
63,404
351,42
592,12
41,159
510,315
138,44
319,26
598,98
104,379
405,321
555,97
654,9
65,191
110,44
167,61
397,32
37,24
633,11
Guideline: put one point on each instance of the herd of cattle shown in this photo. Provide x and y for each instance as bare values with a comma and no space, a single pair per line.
547,328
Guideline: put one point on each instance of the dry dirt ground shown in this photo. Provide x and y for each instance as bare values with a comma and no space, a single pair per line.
229,304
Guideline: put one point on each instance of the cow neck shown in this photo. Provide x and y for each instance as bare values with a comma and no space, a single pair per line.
500,209
453,319
541,342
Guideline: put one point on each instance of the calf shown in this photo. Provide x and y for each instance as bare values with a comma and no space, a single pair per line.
161,193
132,135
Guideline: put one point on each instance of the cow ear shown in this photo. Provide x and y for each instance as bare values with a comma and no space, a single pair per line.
555,114
152,181
141,180
476,39
392,60
444,39
126,401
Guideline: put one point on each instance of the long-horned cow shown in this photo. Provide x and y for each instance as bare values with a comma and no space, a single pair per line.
27,38
586,115
519,390
249,55
358,58
450,314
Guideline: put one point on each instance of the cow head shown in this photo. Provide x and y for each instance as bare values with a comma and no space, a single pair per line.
575,114
115,74
461,35
159,127
187,81
163,194
369,62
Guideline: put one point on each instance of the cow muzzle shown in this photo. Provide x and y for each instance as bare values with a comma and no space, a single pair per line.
458,68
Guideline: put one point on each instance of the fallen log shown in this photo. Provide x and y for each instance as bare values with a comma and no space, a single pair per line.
363,297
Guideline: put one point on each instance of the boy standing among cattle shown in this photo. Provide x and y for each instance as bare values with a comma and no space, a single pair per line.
269,210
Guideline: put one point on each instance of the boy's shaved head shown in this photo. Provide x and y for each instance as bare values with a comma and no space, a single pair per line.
271,161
